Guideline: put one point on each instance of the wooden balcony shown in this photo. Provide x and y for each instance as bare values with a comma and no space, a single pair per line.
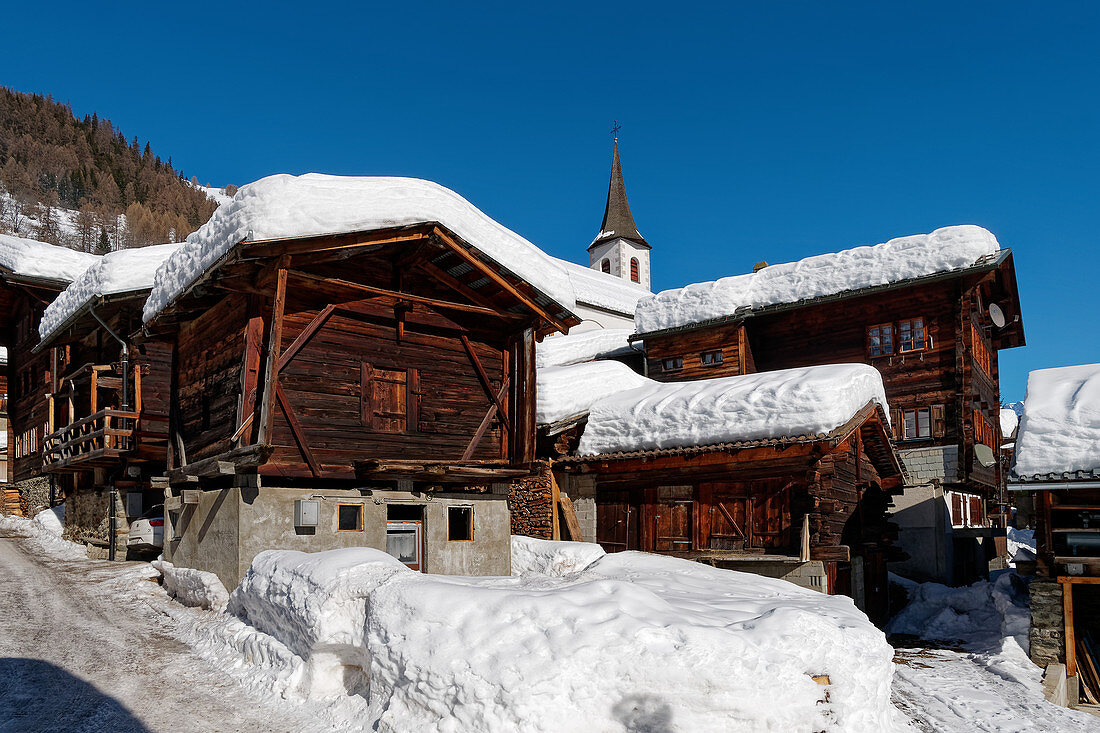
94,441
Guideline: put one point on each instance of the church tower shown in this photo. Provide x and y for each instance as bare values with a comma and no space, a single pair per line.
619,249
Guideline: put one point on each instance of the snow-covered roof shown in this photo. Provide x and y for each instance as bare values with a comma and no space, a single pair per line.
285,206
601,290
31,258
564,392
904,258
1009,420
124,271
808,401
574,348
1059,433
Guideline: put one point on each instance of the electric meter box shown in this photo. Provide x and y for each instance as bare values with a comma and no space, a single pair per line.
307,512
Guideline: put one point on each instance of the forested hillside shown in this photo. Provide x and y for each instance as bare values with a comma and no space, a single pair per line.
82,184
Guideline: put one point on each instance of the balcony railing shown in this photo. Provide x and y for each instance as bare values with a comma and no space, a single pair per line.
97,439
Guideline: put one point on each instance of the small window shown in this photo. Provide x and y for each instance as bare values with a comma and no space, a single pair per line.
913,424
460,523
634,276
711,358
911,335
880,340
605,266
349,517
672,364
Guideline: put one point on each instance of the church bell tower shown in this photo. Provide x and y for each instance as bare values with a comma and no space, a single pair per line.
619,249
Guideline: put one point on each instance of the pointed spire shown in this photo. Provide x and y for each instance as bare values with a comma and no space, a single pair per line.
618,222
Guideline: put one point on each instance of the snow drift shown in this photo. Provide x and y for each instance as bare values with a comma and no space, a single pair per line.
52,520
1060,428
903,258
631,640
195,588
784,403
123,271
284,206
31,258
555,559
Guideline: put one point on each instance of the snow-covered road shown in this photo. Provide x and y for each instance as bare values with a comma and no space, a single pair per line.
75,656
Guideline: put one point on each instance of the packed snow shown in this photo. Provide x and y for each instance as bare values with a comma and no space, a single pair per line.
31,258
630,641
284,206
1008,420
195,588
574,348
570,391
602,290
52,520
786,403
532,556
123,271
946,249
1060,428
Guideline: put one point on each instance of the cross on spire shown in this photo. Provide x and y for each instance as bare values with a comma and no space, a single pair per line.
615,130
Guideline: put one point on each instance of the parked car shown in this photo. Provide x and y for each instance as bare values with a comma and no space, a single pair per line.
147,533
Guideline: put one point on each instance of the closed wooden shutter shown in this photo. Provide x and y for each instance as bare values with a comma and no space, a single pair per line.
389,399
939,421
956,509
896,424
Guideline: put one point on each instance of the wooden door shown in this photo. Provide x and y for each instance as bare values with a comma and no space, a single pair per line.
386,403
672,526
729,526
617,514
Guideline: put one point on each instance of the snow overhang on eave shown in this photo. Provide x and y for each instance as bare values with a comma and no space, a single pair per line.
85,310
985,264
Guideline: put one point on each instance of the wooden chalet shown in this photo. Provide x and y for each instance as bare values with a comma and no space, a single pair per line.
366,388
108,401
935,339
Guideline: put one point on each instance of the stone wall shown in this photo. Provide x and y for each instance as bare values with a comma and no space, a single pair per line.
35,493
86,515
1047,633
530,502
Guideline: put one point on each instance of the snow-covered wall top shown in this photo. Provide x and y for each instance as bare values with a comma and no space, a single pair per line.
574,348
284,206
601,290
569,391
1009,420
1060,429
786,403
950,248
124,271
32,258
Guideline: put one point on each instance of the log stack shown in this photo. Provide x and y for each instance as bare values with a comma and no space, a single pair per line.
12,502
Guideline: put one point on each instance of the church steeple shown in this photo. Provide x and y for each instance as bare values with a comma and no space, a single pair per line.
618,222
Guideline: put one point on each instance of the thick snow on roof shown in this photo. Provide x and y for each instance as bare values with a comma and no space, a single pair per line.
601,290
625,640
950,248
1060,429
284,206
569,391
124,271
787,403
574,348
1009,420
32,258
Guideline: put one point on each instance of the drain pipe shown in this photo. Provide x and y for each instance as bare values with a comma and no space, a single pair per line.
112,514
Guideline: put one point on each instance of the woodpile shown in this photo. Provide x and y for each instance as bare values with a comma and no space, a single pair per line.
531,502
12,502
1088,667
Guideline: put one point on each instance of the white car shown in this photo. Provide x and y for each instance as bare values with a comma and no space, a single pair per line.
147,533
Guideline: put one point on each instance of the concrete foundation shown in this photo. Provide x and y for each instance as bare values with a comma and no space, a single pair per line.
227,528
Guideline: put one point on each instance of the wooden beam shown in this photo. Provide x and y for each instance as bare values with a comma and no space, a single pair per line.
454,283
248,456
484,426
250,370
329,243
555,502
307,333
274,344
481,375
497,278
1070,635
297,431
569,514
371,290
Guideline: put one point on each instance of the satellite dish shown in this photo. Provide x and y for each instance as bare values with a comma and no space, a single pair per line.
997,315
984,454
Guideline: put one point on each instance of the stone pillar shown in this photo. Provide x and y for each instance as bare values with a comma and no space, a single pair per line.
1047,633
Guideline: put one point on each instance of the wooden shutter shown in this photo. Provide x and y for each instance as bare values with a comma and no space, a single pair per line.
896,423
386,404
939,421
956,509
975,511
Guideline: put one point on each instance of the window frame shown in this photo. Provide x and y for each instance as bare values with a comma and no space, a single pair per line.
893,340
635,270
359,515
679,367
605,266
925,340
713,352
469,508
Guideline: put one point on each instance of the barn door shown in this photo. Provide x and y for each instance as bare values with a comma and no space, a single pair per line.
617,521
728,523
389,399
673,526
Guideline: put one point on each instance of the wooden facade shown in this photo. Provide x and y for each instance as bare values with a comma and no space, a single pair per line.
825,497
374,356
943,387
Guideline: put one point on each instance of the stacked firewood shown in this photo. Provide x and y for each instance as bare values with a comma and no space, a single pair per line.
530,501
11,502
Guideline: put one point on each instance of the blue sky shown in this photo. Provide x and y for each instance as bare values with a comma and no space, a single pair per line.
771,130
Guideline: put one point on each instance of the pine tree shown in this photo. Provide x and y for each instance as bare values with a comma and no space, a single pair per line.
103,246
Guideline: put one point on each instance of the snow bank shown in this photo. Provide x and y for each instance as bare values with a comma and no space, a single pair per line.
123,271
629,641
1060,429
1008,420
195,588
785,403
43,535
569,391
602,290
1021,545
283,206
555,559
32,258
52,520
950,248
574,348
